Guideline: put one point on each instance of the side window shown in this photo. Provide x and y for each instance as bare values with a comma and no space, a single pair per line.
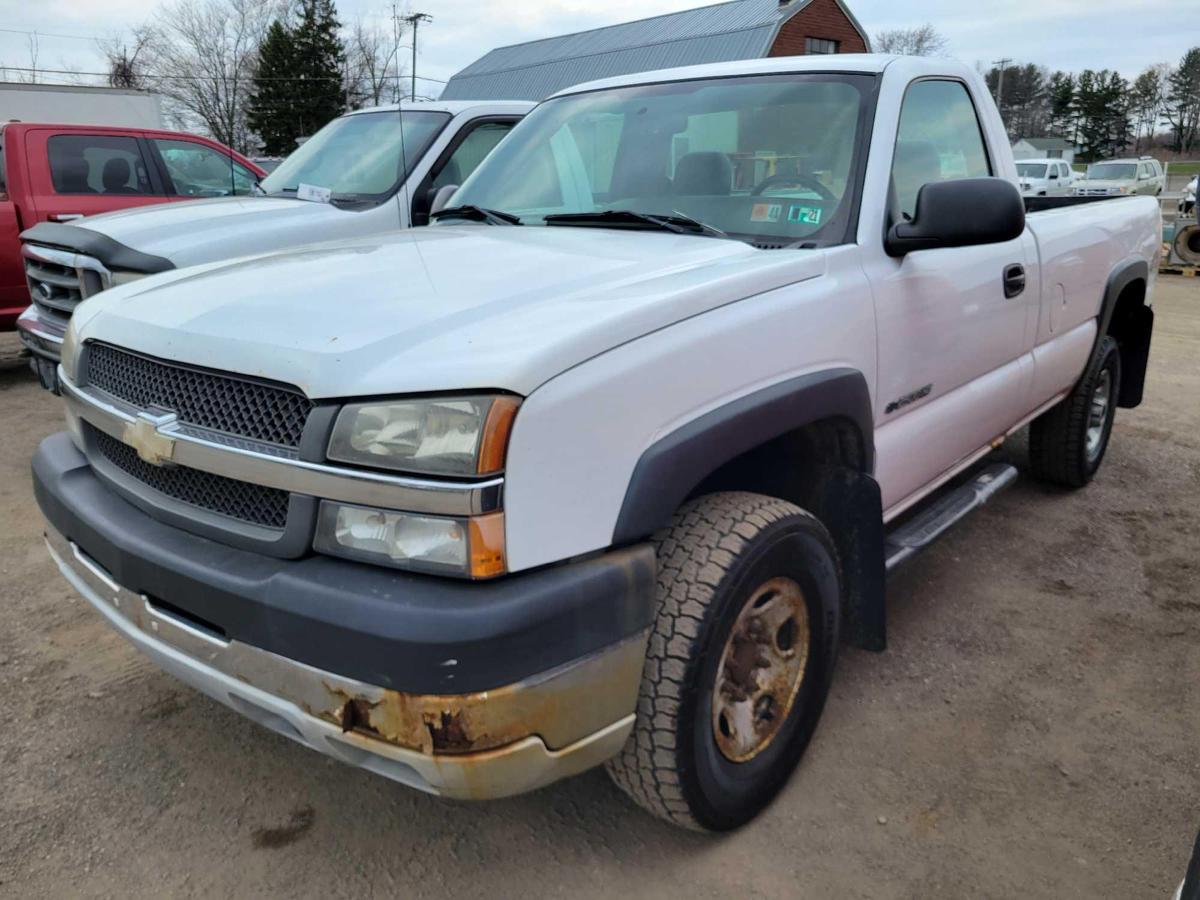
471,152
939,140
197,170
97,164
1063,170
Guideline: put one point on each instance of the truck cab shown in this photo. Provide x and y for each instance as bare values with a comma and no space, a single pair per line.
366,173
62,173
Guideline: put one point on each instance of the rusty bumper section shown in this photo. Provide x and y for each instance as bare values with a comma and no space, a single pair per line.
470,746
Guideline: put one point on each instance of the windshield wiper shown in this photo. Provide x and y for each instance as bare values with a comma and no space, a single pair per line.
677,222
478,214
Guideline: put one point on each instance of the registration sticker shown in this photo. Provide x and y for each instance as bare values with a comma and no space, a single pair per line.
766,212
805,215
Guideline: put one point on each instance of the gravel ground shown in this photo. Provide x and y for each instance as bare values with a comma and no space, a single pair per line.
1032,732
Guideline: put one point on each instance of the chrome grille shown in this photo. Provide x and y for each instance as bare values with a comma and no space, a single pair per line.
224,403
239,500
53,288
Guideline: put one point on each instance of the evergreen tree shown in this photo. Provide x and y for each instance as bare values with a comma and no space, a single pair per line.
1182,107
1145,105
272,108
1060,92
1102,105
319,67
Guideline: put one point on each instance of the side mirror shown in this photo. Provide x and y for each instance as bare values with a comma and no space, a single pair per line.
441,198
1054,176
962,213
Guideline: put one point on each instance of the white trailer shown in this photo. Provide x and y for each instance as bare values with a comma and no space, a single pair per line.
66,104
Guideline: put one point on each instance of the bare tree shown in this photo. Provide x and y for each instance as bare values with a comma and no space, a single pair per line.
204,54
127,58
31,76
924,40
371,62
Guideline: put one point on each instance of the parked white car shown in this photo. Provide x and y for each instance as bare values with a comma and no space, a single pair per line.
1044,177
1122,176
604,467
363,174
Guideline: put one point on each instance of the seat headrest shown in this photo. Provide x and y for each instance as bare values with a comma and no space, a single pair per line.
115,176
71,176
704,174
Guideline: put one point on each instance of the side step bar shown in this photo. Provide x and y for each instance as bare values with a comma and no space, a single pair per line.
936,519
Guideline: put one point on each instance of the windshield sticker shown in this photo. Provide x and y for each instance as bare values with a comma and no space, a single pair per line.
766,212
313,193
805,215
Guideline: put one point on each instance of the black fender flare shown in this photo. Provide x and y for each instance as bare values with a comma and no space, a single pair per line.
1121,278
1133,330
671,468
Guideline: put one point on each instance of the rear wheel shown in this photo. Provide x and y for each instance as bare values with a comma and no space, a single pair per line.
739,663
1067,443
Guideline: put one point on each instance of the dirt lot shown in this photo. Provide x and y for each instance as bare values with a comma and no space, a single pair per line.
1034,730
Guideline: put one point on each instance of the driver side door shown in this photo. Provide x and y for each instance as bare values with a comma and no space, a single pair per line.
955,341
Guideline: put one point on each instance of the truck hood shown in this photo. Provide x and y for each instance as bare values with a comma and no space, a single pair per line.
201,231
435,309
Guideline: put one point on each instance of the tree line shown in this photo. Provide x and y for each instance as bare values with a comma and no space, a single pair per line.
1101,112
258,74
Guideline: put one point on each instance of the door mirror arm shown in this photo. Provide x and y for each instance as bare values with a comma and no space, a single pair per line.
963,213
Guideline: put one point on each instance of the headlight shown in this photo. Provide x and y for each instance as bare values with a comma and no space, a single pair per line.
463,436
469,548
68,352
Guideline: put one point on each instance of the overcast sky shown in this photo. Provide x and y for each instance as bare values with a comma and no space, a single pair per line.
1060,34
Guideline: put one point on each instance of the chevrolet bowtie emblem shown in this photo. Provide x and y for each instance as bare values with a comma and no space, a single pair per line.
144,435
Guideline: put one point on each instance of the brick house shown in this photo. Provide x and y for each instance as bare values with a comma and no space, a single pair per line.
739,29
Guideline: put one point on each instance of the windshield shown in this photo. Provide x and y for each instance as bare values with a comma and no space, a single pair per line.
768,159
1031,170
358,157
1112,172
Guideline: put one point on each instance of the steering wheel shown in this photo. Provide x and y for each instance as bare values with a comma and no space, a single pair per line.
803,180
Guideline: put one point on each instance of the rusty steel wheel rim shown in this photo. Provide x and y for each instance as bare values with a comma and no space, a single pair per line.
761,671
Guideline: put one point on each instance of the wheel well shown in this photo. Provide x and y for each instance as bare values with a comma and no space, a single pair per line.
1131,324
824,467
787,466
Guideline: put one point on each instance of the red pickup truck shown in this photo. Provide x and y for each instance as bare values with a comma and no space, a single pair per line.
58,173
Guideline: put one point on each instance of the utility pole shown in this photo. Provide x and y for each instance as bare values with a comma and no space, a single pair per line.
1001,65
415,20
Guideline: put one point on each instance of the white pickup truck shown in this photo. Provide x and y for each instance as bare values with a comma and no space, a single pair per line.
602,468
362,174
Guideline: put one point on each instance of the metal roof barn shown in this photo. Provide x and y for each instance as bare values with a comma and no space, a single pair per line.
740,29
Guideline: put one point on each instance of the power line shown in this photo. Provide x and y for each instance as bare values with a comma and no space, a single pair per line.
41,71
48,34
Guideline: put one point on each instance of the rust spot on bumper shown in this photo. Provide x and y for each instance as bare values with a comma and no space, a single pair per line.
559,708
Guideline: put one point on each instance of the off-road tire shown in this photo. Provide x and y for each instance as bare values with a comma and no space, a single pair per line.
1058,439
710,560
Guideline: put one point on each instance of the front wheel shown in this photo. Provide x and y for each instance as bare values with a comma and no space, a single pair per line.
1068,442
739,662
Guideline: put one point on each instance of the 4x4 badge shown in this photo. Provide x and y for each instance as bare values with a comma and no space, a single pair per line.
144,435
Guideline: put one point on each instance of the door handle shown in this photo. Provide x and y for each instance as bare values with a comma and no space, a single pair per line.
1014,281
66,217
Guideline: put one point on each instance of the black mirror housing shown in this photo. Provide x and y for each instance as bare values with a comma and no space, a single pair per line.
962,213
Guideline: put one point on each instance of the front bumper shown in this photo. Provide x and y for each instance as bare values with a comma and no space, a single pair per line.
480,691
43,338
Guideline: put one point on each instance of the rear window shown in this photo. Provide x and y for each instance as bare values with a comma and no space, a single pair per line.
97,164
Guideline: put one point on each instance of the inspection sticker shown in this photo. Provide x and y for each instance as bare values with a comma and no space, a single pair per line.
805,215
766,212
313,193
